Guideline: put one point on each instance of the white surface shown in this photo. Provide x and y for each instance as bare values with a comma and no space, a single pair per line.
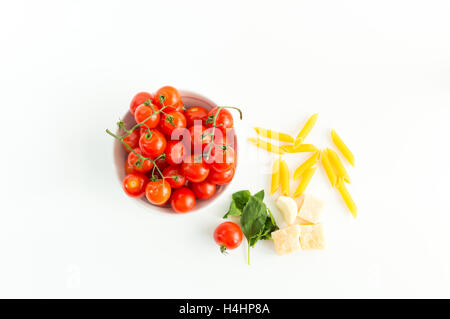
376,71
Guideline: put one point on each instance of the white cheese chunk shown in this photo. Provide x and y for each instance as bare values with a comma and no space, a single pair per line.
286,240
310,209
311,237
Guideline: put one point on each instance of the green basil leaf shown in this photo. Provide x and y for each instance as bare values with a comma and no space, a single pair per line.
241,198
260,195
253,217
233,210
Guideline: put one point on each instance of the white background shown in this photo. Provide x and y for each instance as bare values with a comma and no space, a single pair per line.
376,71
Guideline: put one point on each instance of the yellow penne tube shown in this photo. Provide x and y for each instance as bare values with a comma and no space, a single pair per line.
306,178
328,168
342,147
265,145
347,199
306,165
282,137
306,129
275,183
284,178
301,148
338,166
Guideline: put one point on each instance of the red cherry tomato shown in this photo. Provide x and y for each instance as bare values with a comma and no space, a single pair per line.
228,235
139,99
161,162
152,143
175,152
195,113
129,168
220,160
134,184
203,190
172,99
198,138
221,178
178,181
195,169
132,140
182,200
224,119
143,114
158,192
171,121
145,166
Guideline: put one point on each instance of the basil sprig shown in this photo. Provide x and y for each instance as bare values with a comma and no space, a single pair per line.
257,221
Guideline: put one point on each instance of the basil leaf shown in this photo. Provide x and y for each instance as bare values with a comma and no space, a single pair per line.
253,217
260,195
233,210
241,198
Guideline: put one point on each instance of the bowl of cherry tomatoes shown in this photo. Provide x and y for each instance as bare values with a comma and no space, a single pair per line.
175,151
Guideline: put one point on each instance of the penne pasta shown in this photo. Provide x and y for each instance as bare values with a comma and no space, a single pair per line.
329,170
265,145
284,178
347,199
342,147
306,165
338,166
306,129
301,148
306,178
275,182
282,137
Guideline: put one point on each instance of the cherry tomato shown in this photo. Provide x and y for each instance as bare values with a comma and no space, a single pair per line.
224,119
203,190
152,143
129,168
139,99
158,192
134,184
182,200
143,114
161,162
220,160
228,235
132,140
198,138
172,99
221,178
195,113
171,121
195,169
145,166
174,171
175,152
220,138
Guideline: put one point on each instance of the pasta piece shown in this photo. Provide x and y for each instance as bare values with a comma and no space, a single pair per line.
284,178
265,145
347,199
306,165
337,163
343,148
275,183
329,170
306,178
301,148
282,137
306,129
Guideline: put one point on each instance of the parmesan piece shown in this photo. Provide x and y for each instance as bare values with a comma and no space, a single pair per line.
311,237
288,208
310,209
286,240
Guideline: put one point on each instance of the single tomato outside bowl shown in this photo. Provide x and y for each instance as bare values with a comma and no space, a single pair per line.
190,99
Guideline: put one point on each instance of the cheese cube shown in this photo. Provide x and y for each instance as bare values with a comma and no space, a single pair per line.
311,237
286,240
310,208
